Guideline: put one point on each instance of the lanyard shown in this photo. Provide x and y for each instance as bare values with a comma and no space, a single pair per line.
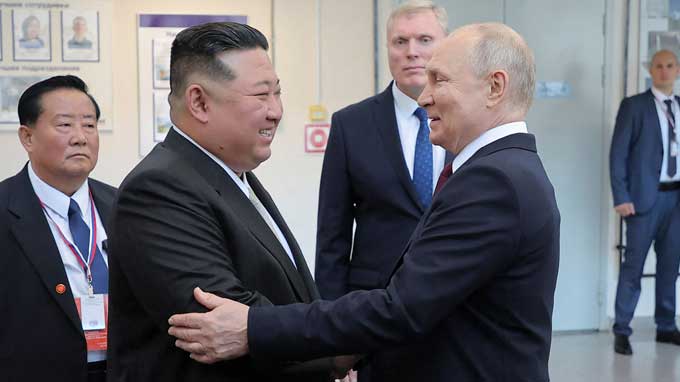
86,264
670,120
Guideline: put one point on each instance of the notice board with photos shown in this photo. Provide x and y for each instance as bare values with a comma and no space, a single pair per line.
40,39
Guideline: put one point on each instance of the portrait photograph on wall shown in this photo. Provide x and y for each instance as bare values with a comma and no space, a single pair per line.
161,115
31,35
11,88
80,35
161,63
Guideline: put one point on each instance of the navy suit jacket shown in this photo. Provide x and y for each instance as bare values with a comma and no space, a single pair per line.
41,335
364,179
636,152
472,296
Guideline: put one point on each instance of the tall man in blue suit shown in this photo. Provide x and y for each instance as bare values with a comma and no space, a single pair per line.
646,188
471,296
380,168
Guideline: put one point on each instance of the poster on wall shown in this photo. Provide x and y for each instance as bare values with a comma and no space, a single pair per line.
31,35
155,35
659,29
48,38
80,35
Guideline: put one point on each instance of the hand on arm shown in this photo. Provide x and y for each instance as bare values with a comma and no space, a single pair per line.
217,335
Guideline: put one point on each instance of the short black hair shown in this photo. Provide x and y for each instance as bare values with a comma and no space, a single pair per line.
195,49
30,106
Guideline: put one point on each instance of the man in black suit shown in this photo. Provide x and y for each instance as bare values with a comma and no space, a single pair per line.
193,214
47,214
471,298
376,171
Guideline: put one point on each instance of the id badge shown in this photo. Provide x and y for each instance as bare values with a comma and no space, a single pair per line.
93,312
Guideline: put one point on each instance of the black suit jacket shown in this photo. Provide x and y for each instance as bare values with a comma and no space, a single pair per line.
41,335
179,222
471,298
364,179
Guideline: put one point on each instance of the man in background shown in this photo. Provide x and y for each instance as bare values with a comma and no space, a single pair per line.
53,230
380,168
645,184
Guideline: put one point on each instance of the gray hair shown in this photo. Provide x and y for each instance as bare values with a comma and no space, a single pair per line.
414,6
500,47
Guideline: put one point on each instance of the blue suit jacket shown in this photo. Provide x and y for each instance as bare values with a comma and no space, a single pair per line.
472,296
636,152
364,178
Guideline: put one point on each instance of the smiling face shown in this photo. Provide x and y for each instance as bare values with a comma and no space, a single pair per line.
243,113
411,39
63,144
455,98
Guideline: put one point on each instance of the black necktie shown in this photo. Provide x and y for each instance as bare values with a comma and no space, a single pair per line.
672,164
443,177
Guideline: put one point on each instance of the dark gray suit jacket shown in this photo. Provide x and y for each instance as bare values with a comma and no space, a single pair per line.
179,222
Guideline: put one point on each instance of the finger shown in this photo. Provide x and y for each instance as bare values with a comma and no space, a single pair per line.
202,358
187,320
185,334
191,347
208,300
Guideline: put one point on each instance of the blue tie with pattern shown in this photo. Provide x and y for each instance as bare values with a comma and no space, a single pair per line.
422,160
672,162
81,237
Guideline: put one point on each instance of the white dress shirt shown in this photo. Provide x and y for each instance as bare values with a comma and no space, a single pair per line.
490,136
408,125
663,123
245,188
56,212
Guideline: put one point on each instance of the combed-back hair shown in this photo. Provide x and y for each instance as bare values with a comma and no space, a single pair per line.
195,50
30,102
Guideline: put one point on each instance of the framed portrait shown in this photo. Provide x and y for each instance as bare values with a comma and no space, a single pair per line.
160,50
79,35
32,39
161,115
0,35
11,88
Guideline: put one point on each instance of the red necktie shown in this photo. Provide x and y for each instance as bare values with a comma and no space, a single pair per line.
443,177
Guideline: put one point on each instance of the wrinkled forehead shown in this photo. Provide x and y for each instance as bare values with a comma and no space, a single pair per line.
451,53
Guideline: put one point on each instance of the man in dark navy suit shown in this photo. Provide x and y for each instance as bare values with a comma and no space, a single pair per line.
380,168
646,188
471,297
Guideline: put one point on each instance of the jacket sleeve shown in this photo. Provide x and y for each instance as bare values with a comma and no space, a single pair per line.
335,218
166,241
457,252
619,153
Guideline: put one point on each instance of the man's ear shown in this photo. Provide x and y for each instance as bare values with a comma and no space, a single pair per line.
26,137
196,102
498,86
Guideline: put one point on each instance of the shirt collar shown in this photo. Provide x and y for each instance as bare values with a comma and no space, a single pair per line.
55,200
405,105
240,183
485,139
661,95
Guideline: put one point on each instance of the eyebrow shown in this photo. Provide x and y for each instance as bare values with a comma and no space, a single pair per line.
62,115
266,82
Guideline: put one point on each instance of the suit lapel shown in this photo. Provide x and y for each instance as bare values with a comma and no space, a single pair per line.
32,232
653,115
518,141
238,202
386,121
301,278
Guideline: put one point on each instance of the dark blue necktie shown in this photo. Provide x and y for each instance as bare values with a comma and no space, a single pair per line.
422,161
672,164
81,237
